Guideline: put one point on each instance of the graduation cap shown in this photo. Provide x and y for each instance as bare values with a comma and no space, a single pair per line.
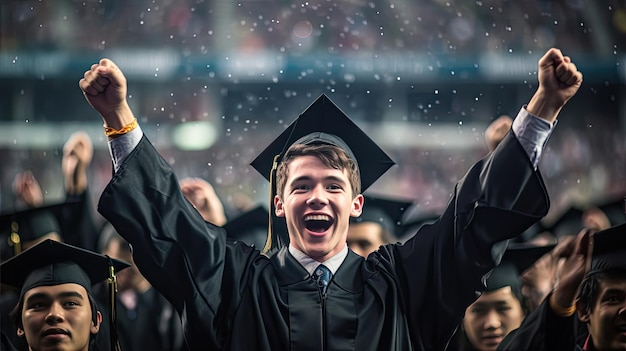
324,123
385,211
52,263
609,249
251,227
517,258
20,227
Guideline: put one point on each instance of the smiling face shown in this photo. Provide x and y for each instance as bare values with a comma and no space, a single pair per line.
492,317
317,204
57,317
606,320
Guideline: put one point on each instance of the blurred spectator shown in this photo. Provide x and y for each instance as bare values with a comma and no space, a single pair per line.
145,320
203,197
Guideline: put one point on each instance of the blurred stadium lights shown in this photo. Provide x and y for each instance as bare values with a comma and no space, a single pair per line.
163,64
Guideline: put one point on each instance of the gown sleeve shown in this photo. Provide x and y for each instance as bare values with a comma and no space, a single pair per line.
185,258
442,267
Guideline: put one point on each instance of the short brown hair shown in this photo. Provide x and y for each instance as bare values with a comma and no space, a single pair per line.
330,155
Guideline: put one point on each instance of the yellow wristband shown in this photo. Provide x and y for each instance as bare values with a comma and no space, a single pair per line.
125,129
562,311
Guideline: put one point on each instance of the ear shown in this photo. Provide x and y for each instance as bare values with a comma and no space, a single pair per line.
95,328
357,205
583,312
20,332
279,210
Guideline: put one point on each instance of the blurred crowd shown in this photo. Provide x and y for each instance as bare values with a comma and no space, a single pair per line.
200,26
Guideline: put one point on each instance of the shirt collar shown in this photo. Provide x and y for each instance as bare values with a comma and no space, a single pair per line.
310,264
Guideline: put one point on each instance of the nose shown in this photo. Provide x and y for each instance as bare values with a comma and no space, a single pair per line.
55,314
318,196
492,320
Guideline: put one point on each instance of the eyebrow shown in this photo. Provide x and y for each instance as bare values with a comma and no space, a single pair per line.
613,291
63,294
328,178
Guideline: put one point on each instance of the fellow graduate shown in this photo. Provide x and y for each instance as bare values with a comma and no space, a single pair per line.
587,309
377,225
56,309
502,306
314,293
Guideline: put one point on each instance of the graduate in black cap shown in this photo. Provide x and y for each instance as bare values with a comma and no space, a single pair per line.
56,309
314,293
377,225
19,231
587,309
502,307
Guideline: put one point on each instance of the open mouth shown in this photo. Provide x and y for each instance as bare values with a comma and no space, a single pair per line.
318,223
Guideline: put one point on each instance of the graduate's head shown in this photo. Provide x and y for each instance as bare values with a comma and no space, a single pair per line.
56,309
321,164
22,229
377,225
501,308
601,302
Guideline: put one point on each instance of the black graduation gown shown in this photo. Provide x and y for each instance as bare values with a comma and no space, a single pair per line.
403,297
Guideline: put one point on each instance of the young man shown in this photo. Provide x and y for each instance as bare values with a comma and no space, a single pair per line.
600,278
402,297
502,306
56,310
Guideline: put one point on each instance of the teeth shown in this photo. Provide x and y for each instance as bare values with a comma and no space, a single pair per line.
317,218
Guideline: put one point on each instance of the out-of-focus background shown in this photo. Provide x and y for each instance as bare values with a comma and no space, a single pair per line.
213,82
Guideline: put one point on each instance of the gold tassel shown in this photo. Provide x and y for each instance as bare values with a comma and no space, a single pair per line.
268,241
112,281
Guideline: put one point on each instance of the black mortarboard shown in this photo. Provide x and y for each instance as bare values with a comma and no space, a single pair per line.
54,263
17,228
385,211
517,258
609,249
324,123
251,227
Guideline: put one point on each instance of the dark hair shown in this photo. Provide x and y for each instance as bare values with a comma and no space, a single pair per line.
330,155
590,286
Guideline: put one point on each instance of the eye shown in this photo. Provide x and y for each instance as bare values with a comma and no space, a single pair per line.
613,299
36,305
334,187
300,187
503,309
71,304
478,310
